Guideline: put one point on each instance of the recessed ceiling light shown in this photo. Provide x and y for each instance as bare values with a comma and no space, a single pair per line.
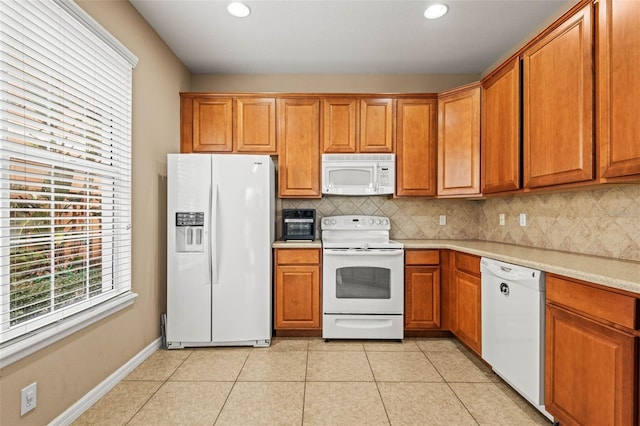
239,10
436,11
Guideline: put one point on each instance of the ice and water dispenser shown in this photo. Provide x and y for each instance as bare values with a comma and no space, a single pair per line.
189,232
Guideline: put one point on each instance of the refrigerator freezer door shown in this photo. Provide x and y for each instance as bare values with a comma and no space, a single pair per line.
243,226
188,271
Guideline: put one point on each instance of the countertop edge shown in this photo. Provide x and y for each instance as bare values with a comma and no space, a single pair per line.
613,273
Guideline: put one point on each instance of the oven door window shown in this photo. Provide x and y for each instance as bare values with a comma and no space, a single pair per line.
363,282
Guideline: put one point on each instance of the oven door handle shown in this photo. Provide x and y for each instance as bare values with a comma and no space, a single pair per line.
329,252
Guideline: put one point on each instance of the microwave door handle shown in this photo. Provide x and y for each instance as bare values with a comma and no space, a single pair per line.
375,178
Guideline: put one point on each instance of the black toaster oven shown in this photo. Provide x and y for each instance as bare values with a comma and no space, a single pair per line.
298,224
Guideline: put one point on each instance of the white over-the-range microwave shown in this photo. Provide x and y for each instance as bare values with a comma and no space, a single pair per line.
358,174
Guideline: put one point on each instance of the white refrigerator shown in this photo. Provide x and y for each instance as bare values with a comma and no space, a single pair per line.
220,228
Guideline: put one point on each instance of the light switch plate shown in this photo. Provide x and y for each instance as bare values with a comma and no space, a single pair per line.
523,219
443,219
501,219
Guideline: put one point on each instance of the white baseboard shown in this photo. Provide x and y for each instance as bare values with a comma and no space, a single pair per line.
84,403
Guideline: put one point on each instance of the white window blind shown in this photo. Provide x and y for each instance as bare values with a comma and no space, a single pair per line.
65,165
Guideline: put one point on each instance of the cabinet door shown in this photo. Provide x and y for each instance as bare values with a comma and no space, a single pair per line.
299,148
501,130
467,322
297,297
588,371
459,142
558,105
339,124
376,125
422,297
212,125
618,87
417,122
255,128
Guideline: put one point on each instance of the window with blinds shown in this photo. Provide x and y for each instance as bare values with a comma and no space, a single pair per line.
65,165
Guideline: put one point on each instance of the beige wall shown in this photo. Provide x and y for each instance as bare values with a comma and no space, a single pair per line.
69,369
309,83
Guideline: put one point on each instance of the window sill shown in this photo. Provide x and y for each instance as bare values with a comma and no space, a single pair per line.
13,351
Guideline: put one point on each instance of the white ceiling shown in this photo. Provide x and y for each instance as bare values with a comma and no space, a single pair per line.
344,36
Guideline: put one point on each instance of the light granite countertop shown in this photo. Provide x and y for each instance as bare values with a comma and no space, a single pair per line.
297,244
614,273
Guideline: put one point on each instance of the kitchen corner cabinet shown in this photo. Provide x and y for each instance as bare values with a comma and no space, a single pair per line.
459,141
591,354
214,124
355,124
416,139
501,129
558,104
297,289
618,88
422,290
465,298
299,147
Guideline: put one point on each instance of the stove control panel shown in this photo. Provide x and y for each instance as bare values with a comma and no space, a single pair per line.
355,222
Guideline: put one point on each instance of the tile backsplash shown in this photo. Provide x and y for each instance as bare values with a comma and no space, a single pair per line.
602,222
411,218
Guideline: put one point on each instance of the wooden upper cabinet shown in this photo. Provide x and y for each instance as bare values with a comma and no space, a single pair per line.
212,124
299,147
376,125
501,129
459,141
353,124
558,104
255,129
618,87
339,125
217,124
416,139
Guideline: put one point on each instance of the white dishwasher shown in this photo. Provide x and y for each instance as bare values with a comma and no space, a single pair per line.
513,327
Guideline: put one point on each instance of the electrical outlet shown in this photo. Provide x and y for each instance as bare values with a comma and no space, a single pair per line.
443,219
523,219
28,398
501,219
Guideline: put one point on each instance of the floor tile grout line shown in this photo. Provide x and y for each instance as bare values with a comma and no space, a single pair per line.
384,407
163,382
462,402
232,387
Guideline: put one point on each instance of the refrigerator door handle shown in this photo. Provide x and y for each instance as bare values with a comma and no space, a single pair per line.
213,241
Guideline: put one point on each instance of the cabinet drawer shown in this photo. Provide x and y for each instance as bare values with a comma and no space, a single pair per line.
297,256
602,303
422,257
468,263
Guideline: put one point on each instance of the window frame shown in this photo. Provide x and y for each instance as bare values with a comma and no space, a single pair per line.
35,335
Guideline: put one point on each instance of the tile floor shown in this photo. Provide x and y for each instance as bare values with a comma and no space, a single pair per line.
307,381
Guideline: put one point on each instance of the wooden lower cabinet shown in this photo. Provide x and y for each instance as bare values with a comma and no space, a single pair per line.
422,290
297,289
591,354
465,298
